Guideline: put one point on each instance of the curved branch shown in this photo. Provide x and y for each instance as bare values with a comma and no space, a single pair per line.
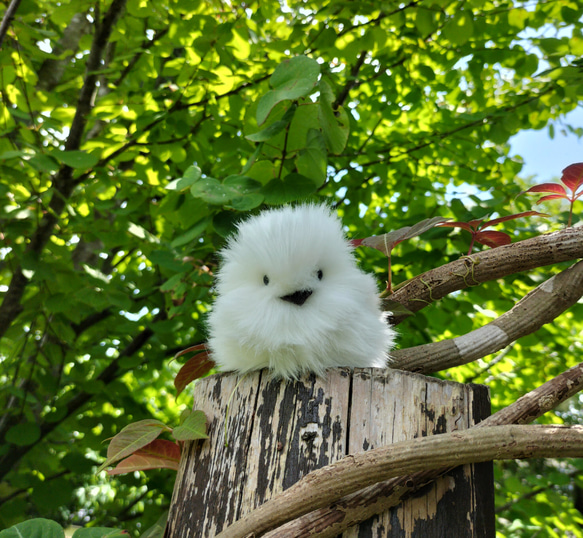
540,306
539,251
323,486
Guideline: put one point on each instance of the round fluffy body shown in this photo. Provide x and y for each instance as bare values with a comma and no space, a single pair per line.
291,298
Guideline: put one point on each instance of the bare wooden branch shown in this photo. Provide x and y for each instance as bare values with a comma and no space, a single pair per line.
491,264
350,474
352,509
540,306
7,19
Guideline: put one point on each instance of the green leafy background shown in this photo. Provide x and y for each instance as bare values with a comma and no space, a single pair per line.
205,111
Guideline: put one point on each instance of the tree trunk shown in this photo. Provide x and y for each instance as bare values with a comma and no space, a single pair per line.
277,432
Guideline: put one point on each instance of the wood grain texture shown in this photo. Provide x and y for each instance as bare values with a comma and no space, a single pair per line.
278,432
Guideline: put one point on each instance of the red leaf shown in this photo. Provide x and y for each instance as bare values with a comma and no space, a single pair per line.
132,438
573,176
549,187
493,239
356,242
198,347
463,225
515,216
192,369
475,224
551,197
159,454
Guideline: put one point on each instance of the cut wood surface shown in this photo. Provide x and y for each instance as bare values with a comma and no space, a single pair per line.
279,432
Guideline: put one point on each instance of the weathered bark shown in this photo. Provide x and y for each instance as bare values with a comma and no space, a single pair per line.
540,306
278,432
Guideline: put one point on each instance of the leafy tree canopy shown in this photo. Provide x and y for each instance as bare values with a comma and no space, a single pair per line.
136,133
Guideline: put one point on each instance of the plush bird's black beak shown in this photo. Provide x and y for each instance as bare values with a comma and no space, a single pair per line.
297,297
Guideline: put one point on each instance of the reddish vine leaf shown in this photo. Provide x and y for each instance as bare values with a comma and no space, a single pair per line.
489,238
386,242
132,438
493,239
194,367
572,178
159,454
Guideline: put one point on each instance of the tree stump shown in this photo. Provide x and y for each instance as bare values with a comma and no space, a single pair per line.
277,432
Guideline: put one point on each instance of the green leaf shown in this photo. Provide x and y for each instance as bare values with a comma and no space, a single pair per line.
425,21
52,494
190,177
190,235
24,434
334,123
275,128
172,282
99,532
211,190
459,29
311,161
142,233
247,202
241,185
194,427
157,530
75,159
224,222
34,528
292,187
44,163
291,80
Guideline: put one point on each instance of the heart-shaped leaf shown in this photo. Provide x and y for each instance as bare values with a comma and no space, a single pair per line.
291,79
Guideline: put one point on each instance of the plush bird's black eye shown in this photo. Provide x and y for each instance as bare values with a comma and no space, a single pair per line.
320,274
265,279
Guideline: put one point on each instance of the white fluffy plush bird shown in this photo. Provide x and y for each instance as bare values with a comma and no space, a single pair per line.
291,298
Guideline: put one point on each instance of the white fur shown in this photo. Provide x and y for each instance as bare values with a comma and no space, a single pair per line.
340,324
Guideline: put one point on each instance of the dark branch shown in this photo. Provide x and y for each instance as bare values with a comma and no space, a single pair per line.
8,16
